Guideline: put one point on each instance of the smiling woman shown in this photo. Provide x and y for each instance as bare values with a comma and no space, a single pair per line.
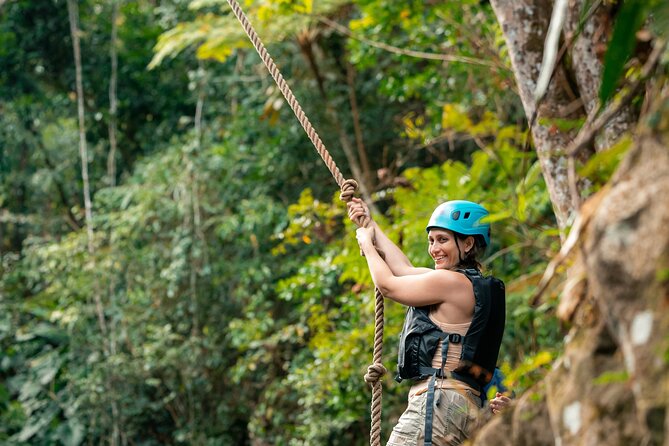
465,224
454,324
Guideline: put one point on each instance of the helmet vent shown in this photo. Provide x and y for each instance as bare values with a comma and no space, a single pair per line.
466,215
455,215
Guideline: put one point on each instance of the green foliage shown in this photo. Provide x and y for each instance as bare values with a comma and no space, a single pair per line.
528,372
611,377
561,124
600,167
236,307
311,221
443,28
659,13
630,18
218,34
662,275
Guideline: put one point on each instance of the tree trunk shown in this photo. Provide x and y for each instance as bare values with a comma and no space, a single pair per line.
609,387
525,24
113,53
359,168
586,54
355,115
73,13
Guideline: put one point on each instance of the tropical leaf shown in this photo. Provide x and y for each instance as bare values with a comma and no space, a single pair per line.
604,163
630,18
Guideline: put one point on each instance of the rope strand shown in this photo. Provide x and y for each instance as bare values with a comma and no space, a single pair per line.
286,91
376,371
348,188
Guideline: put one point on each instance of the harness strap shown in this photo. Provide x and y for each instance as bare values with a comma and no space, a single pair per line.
471,382
429,409
441,373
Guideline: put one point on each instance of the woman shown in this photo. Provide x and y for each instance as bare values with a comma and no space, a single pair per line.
454,324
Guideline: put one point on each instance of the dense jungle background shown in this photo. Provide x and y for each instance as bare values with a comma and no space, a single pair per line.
176,267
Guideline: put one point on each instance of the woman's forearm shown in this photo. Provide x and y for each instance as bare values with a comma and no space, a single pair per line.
396,260
378,268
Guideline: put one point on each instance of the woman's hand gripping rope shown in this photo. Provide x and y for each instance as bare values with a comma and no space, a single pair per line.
358,212
365,237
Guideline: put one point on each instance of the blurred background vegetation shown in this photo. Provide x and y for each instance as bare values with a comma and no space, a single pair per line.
222,300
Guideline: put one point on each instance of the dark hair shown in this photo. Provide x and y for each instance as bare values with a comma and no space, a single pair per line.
469,259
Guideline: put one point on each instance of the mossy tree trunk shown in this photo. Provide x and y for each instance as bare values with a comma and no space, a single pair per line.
610,385
525,25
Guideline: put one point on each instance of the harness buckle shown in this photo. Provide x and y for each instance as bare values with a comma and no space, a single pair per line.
454,338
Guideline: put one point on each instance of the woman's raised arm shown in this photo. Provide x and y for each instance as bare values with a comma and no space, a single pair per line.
397,261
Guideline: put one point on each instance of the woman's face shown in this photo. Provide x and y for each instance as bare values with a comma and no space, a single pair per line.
442,248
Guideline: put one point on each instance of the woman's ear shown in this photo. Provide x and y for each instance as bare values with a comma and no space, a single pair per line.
469,243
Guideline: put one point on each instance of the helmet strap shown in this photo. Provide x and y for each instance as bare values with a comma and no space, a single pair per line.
457,245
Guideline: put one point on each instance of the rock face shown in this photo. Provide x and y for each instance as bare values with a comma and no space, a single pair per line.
611,386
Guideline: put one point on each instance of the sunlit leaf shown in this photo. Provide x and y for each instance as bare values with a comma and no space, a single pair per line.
498,216
610,377
604,162
564,125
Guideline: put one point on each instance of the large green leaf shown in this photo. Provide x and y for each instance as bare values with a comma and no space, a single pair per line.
631,17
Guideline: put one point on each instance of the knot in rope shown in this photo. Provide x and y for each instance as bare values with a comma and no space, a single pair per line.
374,373
348,189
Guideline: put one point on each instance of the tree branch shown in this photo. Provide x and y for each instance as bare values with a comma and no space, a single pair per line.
565,46
355,114
404,52
113,53
594,124
550,46
71,219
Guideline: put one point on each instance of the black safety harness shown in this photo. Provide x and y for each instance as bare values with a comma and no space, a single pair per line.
420,339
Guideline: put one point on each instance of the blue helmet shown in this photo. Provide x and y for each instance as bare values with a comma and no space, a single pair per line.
463,217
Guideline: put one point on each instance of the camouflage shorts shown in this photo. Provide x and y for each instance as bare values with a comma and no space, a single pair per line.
453,419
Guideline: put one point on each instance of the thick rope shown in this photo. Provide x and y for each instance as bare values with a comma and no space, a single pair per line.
348,188
286,91
376,371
